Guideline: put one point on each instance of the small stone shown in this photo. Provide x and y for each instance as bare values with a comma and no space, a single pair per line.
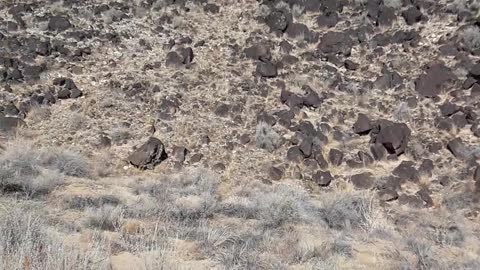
180,153
322,178
173,59
424,194
412,15
105,141
10,124
448,109
219,167
306,147
275,173
244,139
458,148
211,8
277,21
363,125
75,93
365,158
58,23
406,171
362,180
476,174
266,69
205,140
187,55
350,65
63,93
335,157
468,83
258,52
387,195
445,181
294,154
195,158
426,167
327,20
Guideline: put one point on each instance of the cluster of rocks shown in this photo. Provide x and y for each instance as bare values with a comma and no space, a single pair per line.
328,48
182,57
153,152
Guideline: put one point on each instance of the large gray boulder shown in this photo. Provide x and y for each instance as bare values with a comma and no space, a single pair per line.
148,155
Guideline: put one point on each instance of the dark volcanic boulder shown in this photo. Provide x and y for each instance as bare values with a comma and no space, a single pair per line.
412,15
211,8
449,109
335,43
148,155
475,74
68,88
362,180
258,52
335,157
363,125
311,98
9,124
173,59
322,178
458,148
393,136
386,16
59,24
327,20
187,55
387,195
266,69
431,83
476,174
298,30
277,21
406,171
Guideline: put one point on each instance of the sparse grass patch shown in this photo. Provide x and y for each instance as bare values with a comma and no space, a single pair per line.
402,113
68,162
425,258
39,113
347,211
191,195
470,38
26,242
120,135
20,171
458,201
273,207
82,202
266,137
107,217
77,121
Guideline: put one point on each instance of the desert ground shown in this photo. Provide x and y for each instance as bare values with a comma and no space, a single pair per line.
274,134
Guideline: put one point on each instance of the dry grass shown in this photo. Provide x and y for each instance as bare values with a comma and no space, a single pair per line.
266,137
255,226
195,219
26,242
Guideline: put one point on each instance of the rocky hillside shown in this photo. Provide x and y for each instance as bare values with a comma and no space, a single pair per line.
275,134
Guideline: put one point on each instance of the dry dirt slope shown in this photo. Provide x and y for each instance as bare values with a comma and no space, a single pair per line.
309,134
